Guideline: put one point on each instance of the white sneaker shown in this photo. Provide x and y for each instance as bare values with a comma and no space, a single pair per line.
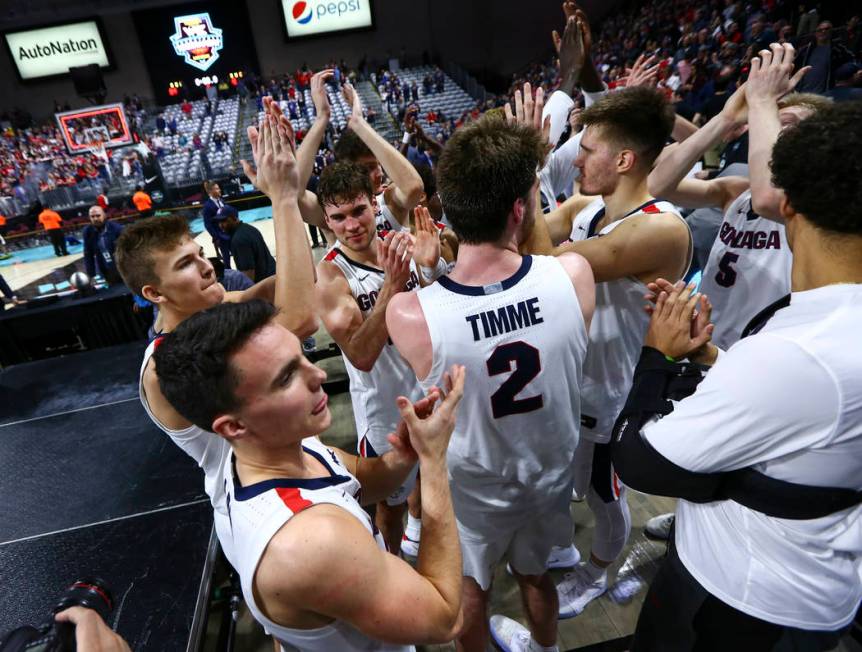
510,635
409,547
578,589
658,527
564,557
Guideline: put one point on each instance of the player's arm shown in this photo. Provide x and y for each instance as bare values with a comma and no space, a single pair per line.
362,340
645,246
407,189
768,81
583,281
308,206
409,332
381,476
427,247
274,152
667,180
326,561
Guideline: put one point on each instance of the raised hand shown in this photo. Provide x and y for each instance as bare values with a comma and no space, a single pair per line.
674,328
771,76
426,251
572,53
318,93
274,151
394,254
400,439
642,73
528,111
352,98
430,436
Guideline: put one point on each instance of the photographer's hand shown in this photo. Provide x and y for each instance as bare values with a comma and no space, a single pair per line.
91,632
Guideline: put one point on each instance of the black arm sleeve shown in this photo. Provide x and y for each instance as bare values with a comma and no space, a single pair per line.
637,463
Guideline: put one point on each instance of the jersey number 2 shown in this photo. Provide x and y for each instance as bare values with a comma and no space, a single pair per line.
527,366
726,275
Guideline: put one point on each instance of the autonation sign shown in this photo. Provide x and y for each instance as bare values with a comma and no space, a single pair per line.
309,17
53,50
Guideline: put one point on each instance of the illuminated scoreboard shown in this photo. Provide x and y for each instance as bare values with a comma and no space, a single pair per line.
193,46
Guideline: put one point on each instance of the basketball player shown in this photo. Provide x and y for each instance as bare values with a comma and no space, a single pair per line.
360,144
314,572
749,264
160,262
519,325
782,558
630,239
357,279
748,268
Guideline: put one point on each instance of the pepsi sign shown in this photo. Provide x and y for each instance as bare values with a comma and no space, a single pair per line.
313,17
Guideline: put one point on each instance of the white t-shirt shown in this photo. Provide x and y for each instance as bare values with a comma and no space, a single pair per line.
787,402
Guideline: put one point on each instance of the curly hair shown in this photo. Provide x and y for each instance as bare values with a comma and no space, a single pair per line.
193,361
484,168
138,241
342,182
818,166
640,119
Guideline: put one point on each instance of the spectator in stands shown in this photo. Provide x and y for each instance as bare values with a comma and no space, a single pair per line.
247,246
186,107
825,57
172,126
848,78
221,240
142,201
161,125
53,225
197,143
100,237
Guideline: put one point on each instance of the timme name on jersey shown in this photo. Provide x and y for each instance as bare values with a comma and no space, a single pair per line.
257,512
748,269
522,341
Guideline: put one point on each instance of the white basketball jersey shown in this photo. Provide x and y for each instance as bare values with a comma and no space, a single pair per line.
748,269
260,510
208,450
522,341
616,332
385,218
373,393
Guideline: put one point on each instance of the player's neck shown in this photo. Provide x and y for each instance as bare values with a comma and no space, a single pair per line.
170,318
255,463
819,262
481,264
629,194
367,256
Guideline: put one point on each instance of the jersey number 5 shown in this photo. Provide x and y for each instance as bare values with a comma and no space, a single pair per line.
527,366
726,275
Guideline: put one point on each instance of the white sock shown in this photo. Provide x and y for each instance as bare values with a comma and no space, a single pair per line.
414,527
535,647
595,572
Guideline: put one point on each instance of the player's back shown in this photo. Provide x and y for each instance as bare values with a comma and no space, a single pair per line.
748,269
523,341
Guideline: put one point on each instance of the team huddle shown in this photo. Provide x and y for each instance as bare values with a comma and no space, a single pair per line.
502,358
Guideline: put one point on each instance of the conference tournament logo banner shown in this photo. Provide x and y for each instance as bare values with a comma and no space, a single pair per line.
196,40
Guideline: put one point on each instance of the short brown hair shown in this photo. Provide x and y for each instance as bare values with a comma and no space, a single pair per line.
640,119
342,182
351,147
138,241
484,168
805,100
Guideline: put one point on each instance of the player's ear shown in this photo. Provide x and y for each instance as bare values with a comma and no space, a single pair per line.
626,160
229,426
